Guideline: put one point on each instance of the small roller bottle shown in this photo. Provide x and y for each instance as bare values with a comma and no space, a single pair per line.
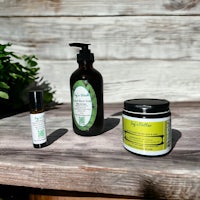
37,118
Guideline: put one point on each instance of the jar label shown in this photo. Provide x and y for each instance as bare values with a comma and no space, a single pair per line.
38,128
147,134
84,105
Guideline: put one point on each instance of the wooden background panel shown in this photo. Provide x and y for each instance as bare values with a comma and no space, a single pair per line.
149,42
173,80
98,8
118,38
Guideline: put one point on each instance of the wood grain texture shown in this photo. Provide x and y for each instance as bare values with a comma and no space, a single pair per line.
154,44
112,38
172,80
98,8
100,164
155,56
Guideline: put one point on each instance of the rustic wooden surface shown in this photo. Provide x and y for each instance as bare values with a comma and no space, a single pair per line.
98,7
100,164
154,44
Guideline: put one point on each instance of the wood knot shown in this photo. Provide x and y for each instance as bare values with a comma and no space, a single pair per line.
181,4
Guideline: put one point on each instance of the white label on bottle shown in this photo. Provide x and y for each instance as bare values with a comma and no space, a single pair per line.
82,106
38,128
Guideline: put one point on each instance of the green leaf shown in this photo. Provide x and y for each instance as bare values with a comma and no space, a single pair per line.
32,63
4,95
4,85
16,76
2,47
15,56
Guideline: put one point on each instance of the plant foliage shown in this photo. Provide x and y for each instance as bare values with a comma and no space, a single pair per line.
18,75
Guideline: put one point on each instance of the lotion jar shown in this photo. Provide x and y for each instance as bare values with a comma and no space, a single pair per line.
147,126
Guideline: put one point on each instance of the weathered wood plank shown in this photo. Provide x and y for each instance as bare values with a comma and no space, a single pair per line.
173,80
98,8
100,164
116,38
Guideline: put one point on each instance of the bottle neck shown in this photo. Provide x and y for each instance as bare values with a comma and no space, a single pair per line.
37,111
85,65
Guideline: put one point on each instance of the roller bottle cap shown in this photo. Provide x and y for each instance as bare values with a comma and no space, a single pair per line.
36,100
84,56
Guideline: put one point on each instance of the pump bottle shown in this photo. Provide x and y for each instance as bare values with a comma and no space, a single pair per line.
86,85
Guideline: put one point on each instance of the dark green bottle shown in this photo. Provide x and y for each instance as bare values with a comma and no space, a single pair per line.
86,86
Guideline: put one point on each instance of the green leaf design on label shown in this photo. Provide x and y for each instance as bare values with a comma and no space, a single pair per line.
84,105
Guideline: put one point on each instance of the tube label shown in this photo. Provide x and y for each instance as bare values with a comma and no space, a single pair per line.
84,105
38,128
144,134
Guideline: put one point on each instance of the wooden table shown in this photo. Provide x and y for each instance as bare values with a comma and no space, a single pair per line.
100,165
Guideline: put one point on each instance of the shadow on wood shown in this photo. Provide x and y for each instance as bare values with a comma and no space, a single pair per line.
56,135
71,195
110,123
152,191
176,135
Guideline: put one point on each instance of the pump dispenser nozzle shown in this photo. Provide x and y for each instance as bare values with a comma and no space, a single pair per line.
84,54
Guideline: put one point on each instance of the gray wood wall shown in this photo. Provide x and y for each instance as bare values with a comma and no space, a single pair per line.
143,48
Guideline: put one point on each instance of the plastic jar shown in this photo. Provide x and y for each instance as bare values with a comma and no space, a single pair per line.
147,126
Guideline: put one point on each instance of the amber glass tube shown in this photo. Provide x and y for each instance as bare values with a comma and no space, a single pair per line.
37,119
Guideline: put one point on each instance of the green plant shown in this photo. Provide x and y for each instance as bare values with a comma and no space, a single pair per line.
18,75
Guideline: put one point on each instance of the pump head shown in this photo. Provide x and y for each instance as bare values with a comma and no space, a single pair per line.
84,56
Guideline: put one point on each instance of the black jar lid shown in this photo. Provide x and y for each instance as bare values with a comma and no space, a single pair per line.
146,105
